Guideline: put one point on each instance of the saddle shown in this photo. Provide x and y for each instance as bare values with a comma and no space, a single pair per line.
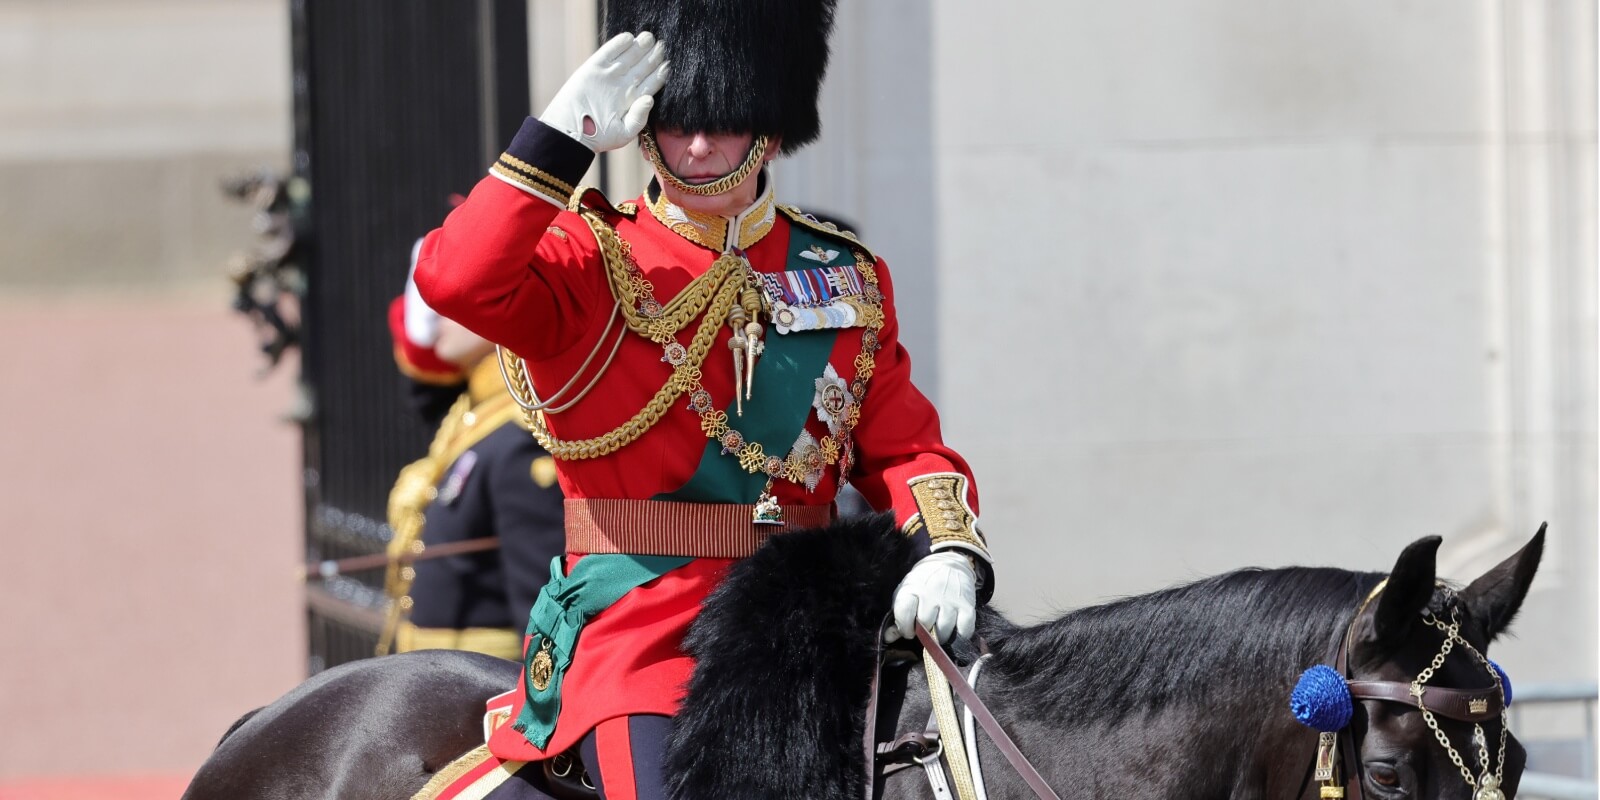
802,613
935,747
736,737
566,777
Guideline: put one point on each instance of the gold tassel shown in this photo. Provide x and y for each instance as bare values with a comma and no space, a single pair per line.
752,350
750,304
739,346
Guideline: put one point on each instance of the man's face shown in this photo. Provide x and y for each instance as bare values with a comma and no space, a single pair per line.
697,157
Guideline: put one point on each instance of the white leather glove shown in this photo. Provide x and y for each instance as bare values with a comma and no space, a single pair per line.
940,593
606,102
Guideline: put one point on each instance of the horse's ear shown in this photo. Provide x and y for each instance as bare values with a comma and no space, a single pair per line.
1409,589
1494,598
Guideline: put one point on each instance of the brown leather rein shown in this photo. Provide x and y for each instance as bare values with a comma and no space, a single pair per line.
1463,705
923,746
1002,741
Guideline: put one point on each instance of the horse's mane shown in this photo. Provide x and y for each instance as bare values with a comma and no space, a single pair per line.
1207,643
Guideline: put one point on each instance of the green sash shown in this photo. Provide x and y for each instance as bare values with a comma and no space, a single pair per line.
563,607
785,383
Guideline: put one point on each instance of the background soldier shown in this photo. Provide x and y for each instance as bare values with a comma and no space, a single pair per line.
484,478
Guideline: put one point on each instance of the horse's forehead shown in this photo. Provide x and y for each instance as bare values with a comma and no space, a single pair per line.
1447,607
1446,600
1424,641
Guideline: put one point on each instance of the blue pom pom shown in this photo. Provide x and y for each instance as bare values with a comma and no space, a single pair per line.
1505,682
1321,700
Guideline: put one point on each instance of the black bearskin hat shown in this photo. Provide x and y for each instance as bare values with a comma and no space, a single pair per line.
736,65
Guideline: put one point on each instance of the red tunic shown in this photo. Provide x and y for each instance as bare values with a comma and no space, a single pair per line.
518,269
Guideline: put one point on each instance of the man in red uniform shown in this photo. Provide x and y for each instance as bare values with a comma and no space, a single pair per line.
711,366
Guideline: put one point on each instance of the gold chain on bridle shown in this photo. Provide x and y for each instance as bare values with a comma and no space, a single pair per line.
1486,786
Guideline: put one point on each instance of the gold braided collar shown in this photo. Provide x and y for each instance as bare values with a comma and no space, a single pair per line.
715,233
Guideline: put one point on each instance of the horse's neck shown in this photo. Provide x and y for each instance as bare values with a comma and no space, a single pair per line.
1185,753
1116,711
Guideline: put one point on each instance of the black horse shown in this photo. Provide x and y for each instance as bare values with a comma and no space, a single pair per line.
1181,693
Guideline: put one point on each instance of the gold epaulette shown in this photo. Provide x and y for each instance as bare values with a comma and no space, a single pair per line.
827,229
592,197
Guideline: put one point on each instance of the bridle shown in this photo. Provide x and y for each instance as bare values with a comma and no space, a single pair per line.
1476,706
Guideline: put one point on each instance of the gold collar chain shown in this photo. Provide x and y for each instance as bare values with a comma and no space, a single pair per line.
804,458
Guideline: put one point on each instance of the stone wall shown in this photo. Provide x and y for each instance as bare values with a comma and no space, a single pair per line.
118,119
1262,283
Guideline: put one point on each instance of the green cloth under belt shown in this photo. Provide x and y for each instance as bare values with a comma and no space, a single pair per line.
563,607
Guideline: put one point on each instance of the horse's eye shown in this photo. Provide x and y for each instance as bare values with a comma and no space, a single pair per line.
1384,776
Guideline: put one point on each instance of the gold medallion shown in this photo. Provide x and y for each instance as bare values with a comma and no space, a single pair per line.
542,667
1490,789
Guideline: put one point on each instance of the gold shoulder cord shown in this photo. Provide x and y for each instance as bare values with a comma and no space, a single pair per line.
709,296
719,294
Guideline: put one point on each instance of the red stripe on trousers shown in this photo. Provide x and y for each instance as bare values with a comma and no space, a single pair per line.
614,747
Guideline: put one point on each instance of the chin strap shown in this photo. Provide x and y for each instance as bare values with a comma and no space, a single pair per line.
752,162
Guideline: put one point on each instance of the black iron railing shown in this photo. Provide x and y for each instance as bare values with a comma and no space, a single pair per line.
396,106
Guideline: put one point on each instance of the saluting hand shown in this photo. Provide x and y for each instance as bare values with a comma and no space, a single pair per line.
606,102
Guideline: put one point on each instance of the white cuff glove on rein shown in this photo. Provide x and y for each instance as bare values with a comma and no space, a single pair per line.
611,92
941,593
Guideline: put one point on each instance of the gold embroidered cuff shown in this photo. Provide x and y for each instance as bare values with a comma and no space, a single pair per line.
543,162
942,511
526,176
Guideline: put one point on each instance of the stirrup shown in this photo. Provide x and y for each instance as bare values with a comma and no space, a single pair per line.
566,778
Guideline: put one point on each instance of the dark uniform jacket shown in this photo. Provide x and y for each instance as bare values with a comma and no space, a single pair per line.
484,476
502,486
